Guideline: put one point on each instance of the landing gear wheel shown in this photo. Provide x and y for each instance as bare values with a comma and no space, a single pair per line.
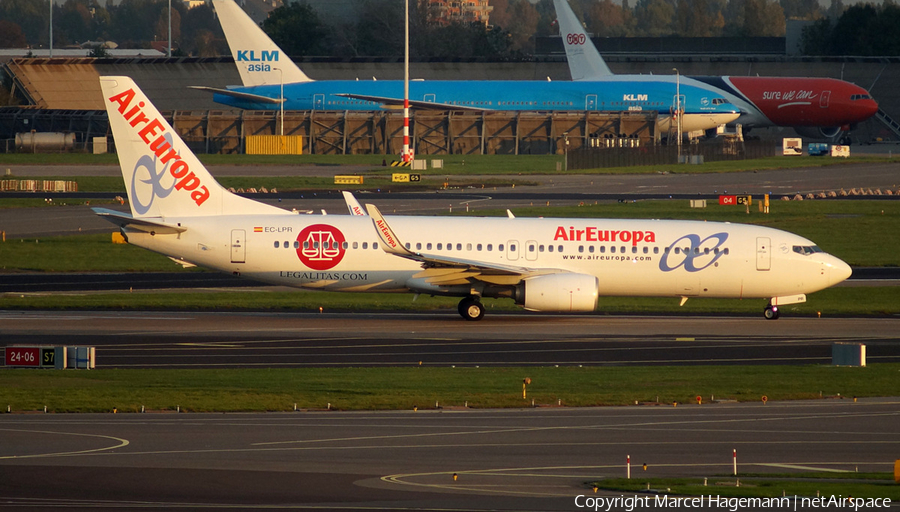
471,309
771,312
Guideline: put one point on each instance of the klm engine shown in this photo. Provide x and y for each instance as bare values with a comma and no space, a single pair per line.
559,292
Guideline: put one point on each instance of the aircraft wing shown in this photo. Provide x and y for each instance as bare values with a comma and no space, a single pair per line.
398,102
237,94
125,220
444,270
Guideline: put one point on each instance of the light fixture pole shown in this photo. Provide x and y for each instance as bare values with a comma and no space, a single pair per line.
678,111
281,103
169,47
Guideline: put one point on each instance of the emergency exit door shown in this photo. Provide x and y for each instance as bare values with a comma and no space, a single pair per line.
238,246
763,253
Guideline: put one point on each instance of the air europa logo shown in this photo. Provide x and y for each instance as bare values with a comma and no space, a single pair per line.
591,234
160,143
321,246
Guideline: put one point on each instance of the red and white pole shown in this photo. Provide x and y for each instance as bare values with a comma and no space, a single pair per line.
628,464
407,157
734,460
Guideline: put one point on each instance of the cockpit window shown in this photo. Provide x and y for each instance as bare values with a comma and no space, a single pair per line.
807,249
719,101
854,97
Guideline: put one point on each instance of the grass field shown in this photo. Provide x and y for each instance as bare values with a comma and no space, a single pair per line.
858,232
833,302
459,164
273,389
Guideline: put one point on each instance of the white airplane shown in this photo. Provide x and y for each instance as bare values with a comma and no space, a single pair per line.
543,264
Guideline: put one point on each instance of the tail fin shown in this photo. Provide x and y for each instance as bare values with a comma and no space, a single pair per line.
162,176
259,60
585,62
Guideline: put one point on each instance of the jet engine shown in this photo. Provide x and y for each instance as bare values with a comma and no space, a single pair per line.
559,292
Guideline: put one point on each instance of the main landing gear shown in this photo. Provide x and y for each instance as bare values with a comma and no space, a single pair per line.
471,308
771,312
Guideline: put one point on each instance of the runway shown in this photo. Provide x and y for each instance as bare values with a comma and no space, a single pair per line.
296,340
533,459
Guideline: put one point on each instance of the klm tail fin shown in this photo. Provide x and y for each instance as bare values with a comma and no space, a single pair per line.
163,177
259,60
585,62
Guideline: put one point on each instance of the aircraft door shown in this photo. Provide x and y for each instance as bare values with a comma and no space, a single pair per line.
763,253
512,250
824,98
590,102
430,98
318,102
238,246
531,251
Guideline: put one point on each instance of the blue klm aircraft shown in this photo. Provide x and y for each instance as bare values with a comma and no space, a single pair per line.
270,78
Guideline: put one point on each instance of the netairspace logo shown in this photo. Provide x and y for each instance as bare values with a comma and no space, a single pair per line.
710,502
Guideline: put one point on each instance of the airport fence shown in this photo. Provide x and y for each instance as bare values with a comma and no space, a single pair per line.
712,151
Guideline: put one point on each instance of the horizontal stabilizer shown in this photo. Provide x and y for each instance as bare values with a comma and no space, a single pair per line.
125,220
237,94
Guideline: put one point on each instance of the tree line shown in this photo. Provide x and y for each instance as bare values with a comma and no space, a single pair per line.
862,29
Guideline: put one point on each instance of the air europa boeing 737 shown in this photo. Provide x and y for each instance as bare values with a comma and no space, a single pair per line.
543,264
820,108
270,78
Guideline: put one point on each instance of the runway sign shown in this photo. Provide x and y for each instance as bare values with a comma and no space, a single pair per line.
33,357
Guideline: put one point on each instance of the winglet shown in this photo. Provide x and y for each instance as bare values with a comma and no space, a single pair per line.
352,204
389,240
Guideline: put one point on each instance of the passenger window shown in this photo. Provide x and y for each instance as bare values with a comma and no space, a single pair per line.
408,247
634,249
646,250
656,250
602,249
296,244
591,249
726,252
365,245
306,244
439,247
356,245
550,248
458,247
678,250
580,248
428,246
490,247
346,245
612,249
276,245
468,247
478,247
374,245
540,248
559,248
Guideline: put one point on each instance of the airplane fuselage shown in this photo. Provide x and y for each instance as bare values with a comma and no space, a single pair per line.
702,106
628,257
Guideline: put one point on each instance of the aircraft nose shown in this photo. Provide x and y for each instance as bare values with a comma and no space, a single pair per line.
838,271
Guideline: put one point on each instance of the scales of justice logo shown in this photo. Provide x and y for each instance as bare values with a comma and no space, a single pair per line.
321,246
